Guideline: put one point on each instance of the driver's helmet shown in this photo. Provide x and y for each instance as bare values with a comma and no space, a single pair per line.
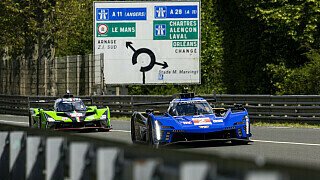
186,109
64,106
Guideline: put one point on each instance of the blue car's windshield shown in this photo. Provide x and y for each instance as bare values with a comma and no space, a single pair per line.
193,108
66,106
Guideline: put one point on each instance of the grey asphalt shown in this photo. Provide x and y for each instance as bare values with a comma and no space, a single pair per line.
288,145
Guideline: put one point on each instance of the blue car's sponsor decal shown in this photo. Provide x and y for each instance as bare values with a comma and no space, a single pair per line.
201,121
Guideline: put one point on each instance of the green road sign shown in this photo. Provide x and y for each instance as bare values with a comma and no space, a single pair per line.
182,44
175,29
116,29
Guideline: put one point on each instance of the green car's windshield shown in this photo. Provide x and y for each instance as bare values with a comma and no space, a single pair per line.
194,108
66,106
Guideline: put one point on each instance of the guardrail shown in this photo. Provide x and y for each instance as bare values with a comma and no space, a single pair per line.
27,153
288,108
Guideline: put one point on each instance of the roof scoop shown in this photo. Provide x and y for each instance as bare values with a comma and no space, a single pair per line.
68,95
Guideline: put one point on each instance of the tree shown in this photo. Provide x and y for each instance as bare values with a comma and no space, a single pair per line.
74,25
294,28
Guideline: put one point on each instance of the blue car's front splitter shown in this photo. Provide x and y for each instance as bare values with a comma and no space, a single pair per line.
207,140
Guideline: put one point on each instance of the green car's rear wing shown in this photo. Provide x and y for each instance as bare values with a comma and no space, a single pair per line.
47,103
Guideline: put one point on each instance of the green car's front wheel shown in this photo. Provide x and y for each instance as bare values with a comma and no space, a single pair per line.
39,122
47,125
30,120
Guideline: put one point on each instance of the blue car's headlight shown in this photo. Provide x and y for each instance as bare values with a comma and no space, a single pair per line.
158,130
247,124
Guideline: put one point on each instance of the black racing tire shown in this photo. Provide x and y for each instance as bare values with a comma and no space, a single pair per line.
30,119
149,134
46,127
39,121
150,137
240,142
133,131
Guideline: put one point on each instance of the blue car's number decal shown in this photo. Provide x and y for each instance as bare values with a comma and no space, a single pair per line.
201,121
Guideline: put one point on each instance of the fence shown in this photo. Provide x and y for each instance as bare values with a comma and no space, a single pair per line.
293,108
38,154
83,75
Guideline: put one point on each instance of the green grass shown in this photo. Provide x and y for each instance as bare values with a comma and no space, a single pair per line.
286,124
123,118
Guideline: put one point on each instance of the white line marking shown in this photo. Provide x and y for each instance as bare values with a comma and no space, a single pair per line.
254,140
279,127
125,131
14,122
292,143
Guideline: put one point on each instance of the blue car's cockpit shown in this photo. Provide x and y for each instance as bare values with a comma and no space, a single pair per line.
189,108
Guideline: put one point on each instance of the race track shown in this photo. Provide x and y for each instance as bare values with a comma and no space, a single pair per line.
289,145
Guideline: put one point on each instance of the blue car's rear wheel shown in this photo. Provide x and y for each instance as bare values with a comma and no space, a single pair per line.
133,131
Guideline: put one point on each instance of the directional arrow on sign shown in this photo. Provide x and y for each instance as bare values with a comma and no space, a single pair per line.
150,54
164,64
147,51
128,44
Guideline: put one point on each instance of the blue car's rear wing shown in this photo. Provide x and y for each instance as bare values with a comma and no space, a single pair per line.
237,108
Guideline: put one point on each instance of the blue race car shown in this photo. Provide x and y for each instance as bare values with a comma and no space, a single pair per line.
191,119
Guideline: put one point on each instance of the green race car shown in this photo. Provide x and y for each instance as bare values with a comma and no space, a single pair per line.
70,113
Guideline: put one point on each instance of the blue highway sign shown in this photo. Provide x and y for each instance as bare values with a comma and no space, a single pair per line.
121,14
170,12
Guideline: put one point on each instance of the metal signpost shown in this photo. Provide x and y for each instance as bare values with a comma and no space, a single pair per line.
148,42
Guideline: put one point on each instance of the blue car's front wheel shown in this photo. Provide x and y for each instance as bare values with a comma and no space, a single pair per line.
240,141
151,136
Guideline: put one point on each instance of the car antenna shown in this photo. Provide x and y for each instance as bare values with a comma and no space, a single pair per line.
185,90
68,95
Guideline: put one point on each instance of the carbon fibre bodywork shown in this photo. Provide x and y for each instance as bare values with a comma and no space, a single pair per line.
84,118
177,126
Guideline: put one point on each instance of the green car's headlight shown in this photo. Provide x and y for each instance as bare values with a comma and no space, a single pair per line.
49,118
103,117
